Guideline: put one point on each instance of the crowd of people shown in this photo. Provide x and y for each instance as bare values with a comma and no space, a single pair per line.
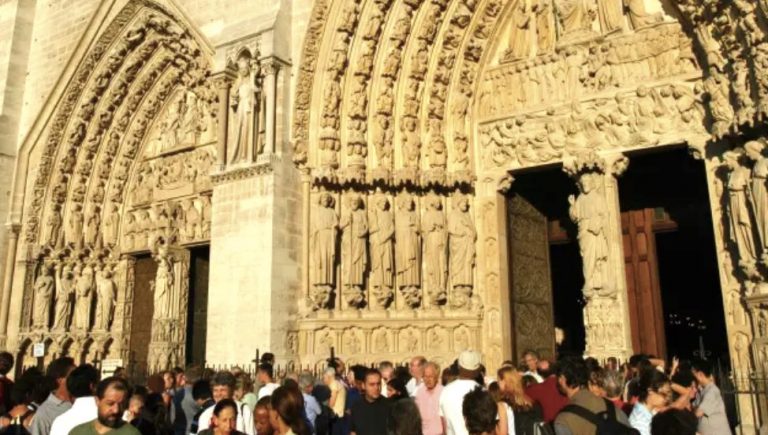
572,396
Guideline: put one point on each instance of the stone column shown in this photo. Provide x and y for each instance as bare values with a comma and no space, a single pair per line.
5,303
271,68
223,82
596,212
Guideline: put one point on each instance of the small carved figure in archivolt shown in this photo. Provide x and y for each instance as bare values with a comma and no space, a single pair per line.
354,227
408,254
324,229
43,293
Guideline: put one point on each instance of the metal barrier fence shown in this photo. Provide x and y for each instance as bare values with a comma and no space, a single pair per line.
745,394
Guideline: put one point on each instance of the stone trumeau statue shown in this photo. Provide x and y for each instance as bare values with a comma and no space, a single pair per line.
41,307
408,253
324,230
589,211
163,284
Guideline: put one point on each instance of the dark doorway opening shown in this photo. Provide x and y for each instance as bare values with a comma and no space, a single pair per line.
669,188
197,308
144,272
547,189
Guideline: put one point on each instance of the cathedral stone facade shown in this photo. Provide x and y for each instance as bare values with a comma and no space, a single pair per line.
348,167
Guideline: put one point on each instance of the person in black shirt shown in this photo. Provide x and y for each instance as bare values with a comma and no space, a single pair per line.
369,416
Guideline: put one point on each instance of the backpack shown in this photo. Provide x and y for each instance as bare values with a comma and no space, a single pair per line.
605,421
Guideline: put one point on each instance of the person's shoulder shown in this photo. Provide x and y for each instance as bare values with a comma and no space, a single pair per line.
82,428
127,429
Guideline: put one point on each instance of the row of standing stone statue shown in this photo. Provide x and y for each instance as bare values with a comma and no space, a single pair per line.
69,293
748,204
384,249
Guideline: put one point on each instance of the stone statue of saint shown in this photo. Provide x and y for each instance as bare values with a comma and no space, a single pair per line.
435,251
738,209
461,246
382,252
74,231
759,192
576,15
65,291
354,227
546,34
92,226
521,36
638,16
53,228
589,212
244,102
106,293
324,228
610,15
41,308
83,299
191,122
110,225
408,253
162,286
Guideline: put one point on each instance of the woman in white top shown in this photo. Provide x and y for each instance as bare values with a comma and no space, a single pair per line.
506,421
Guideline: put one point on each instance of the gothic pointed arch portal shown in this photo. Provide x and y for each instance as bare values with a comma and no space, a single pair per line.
124,165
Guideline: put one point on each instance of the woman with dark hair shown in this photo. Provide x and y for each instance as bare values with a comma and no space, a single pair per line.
287,413
654,391
223,420
506,422
396,389
404,418
29,391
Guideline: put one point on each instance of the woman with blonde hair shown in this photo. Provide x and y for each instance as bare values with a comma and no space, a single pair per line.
505,424
525,411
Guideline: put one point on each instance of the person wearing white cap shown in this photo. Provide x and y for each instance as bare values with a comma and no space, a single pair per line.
452,397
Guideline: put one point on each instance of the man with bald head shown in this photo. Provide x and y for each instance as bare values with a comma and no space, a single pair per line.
416,369
428,400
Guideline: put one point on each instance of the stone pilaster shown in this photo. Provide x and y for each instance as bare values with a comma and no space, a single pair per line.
5,302
271,69
223,82
596,212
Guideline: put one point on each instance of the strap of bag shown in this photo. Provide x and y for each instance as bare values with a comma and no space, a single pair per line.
610,409
583,413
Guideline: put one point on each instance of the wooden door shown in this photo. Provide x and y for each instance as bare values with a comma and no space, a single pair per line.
144,272
533,324
643,290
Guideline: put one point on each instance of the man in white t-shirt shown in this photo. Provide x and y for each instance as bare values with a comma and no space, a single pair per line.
223,387
265,376
452,397
416,369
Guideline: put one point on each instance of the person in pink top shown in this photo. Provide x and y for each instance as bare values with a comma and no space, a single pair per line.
428,400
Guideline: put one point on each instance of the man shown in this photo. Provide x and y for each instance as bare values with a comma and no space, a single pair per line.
261,416
452,396
183,401
311,407
546,393
81,384
58,401
223,387
369,415
266,376
479,411
710,408
572,378
416,369
111,402
386,368
428,400
203,399
6,385
531,361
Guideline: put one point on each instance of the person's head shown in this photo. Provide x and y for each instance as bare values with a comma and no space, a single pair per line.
702,371
372,385
469,364
494,389
287,410
82,381
169,380
613,384
31,387
223,386
224,417
265,374
268,358
544,368
57,372
684,378
531,360
572,375
179,377
386,368
674,422
595,382
396,389
416,367
431,375
137,401
358,373
329,376
480,412
306,382
654,389
243,385
6,363
450,373
510,380
406,419
111,401
261,418
612,364
201,391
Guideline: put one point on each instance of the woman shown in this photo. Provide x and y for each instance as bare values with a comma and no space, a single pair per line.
404,418
526,412
396,389
224,419
286,414
654,391
30,390
505,424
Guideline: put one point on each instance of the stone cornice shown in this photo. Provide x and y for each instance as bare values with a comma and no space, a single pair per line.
266,164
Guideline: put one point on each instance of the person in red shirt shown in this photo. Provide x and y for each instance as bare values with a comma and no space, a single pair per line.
546,393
